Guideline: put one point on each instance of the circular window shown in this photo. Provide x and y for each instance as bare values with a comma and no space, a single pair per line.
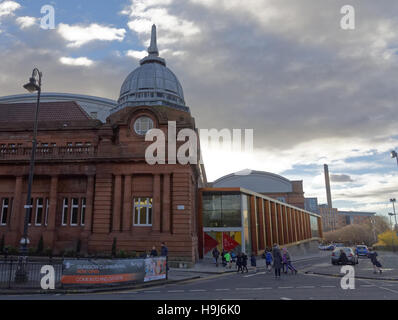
142,125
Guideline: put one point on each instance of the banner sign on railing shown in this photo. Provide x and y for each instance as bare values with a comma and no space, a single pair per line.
107,271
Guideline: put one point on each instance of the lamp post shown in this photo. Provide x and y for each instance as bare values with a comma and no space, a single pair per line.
393,207
392,231
394,154
21,272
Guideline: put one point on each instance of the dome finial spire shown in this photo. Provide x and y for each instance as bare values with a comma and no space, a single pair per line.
153,48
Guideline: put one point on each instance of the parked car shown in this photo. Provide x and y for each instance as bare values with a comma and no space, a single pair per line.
351,256
361,250
339,245
328,247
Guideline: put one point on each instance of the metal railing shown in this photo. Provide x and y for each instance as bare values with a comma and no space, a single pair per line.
8,270
22,153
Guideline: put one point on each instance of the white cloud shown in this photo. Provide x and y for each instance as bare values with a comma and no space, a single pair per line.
136,54
82,61
80,35
26,22
8,8
143,14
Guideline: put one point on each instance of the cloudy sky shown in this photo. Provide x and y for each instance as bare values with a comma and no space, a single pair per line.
312,92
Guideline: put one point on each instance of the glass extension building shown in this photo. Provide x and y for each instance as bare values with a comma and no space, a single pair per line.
240,220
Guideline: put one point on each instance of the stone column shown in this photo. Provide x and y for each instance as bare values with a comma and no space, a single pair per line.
166,203
49,234
156,204
52,211
117,200
16,219
127,204
89,204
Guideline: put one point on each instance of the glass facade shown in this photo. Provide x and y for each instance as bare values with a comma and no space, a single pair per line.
222,211
228,218
246,223
314,227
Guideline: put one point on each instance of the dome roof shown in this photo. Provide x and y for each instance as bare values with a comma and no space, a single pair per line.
258,181
152,83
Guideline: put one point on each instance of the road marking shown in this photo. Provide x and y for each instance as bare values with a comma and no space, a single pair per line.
222,289
197,290
328,286
153,291
391,290
305,287
367,285
284,298
285,287
254,274
172,291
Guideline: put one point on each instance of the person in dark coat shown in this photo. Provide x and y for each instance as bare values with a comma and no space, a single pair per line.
164,252
343,257
244,262
277,258
223,261
216,254
253,262
239,262
153,253
372,255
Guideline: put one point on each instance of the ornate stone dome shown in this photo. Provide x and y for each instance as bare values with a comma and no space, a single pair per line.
152,83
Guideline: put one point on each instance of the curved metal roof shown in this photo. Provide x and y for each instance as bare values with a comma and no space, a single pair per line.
96,107
258,181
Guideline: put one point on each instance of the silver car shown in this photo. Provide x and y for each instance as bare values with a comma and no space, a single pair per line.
351,256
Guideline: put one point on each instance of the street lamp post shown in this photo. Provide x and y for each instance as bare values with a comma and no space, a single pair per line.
393,207
394,154
21,273
392,230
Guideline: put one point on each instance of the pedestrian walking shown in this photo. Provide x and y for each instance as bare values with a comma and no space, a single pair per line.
228,260
372,255
253,262
239,262
268,260
343,258
287,261
223,261
216,255
277,258
164,252
153,253
244,262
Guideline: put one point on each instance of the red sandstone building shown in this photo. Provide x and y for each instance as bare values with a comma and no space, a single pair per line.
92,183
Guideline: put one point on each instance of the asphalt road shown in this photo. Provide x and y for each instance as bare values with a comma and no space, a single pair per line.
260,285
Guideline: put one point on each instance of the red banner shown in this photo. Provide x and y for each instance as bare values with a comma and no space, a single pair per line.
229,244
210,243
